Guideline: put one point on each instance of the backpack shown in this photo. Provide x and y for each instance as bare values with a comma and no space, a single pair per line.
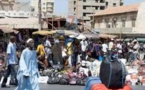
112,73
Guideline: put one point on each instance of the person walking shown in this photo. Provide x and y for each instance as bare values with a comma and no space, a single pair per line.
11,61
28,73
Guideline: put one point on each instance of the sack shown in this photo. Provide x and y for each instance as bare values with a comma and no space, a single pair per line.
112,73
98,87
91,81
64,80
53,78
72,79
43,79
81,82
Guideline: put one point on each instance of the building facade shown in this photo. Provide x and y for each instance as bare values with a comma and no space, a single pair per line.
7,4
121,20
47,6
83,8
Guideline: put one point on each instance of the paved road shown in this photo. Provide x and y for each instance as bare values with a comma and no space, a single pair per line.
67,87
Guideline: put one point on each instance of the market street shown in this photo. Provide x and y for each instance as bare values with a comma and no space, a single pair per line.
68,87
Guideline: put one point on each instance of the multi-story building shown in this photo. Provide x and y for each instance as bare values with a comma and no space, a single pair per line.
122,20
83,8
47,6
7,4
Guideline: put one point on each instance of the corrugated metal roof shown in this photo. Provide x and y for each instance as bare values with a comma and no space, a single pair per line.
117,10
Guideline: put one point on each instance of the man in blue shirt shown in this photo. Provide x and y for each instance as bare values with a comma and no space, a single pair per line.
11,61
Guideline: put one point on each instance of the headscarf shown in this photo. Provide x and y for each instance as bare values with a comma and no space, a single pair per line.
28,41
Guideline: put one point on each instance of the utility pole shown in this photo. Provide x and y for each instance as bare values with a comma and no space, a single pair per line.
77,7
39,14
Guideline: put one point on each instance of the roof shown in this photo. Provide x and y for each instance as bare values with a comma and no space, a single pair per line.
22,6
118,10
22,22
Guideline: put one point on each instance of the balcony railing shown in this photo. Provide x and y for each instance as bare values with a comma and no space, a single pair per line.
93,3
115,30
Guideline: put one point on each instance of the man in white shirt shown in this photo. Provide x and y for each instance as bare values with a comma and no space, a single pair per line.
48,51
111,44
84,45
135,49
119,47
47,43
104,47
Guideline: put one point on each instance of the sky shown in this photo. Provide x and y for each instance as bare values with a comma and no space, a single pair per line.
61,6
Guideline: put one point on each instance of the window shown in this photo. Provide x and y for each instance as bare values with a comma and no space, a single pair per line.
102,7
107,23
74,2
43,7
102,1
133,23
121,4
97,1
84,0
97,8
74,9
106,3
43,3
114,22
123,23
114,4
84,7
84,14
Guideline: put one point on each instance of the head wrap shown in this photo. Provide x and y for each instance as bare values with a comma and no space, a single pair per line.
56,41
30,39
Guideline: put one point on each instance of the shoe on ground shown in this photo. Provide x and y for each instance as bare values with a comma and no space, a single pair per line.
5,86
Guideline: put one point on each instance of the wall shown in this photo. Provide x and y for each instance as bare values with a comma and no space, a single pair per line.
102,19
141,19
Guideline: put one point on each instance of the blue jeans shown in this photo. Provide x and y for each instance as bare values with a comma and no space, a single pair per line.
83,55
10,71
74,59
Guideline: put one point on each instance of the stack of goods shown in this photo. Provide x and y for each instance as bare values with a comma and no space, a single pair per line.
132,76
142,74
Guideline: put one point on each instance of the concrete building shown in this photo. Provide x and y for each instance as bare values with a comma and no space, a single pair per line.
122,20
83,8
7,4
47,6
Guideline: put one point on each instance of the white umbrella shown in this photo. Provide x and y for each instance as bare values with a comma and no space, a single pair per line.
65,32
81,36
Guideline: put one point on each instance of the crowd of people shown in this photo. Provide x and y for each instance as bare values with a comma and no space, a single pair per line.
67,54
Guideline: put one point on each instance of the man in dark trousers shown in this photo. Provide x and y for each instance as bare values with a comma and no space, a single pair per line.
11,61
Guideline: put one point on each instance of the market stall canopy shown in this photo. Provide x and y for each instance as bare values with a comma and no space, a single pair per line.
44,32
107,36
22,23
90,34
66,32
8,30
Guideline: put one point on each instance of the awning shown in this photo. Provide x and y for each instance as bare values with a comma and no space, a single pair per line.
44,32
107,36
31,23
8,30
